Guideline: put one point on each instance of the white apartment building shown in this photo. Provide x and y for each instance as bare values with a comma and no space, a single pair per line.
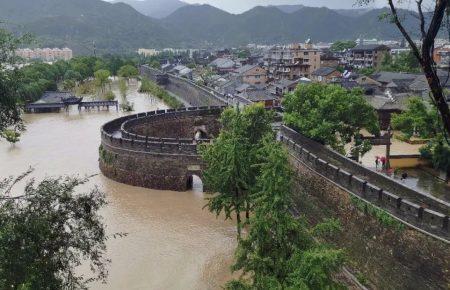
45,54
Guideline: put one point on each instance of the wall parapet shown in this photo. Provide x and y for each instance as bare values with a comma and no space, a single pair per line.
430,215
116,133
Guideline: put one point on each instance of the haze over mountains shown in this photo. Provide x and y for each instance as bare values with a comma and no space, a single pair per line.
117,27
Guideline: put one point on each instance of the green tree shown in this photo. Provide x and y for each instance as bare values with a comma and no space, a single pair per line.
280,251
123,89
404,62
230,172
423,120
329,114
109,96
128,72
342,45
102,78
155,64
10,82
418,119
47,232
73,75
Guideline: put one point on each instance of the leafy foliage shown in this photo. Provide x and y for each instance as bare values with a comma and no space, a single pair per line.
102,78
10,79
418,119
12,136
47,232
342,45
128,71
404,62
280,252
329,114
231,160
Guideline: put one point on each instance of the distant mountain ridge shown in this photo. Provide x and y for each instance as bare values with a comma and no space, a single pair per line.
119,28
270,24
155,8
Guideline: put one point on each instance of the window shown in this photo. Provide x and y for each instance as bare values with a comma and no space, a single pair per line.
306,53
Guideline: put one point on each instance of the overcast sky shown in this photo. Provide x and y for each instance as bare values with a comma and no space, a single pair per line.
239,6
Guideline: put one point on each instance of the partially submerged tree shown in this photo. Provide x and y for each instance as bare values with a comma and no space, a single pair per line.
128,72
48,231
10,79
102,78
12,136
329,114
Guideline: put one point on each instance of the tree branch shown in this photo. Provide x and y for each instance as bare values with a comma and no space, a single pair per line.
421,18
405,34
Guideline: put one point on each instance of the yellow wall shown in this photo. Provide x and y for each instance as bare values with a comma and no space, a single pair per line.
409,162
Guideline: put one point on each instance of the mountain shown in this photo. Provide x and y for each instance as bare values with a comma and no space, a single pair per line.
270,24
155,8
119,28
79,23
289,8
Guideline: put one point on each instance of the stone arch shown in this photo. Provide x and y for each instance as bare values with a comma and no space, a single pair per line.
194,181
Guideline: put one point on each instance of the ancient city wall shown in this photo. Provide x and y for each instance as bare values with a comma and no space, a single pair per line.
391,242
193,94
152,161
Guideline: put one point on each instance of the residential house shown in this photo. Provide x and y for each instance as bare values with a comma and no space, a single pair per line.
366,56
282,87
291,62
329,60
182,71
223,65
441,56
326,75
252,74
258,95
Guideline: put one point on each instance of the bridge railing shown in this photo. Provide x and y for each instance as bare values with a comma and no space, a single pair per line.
432,221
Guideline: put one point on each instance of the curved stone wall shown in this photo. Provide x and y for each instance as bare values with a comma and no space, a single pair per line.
159,160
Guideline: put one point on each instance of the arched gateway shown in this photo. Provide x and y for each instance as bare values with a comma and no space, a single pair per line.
158,149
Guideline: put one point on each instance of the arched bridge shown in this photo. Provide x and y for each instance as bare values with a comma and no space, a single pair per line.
158,149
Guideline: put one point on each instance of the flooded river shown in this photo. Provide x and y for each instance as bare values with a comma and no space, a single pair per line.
171,244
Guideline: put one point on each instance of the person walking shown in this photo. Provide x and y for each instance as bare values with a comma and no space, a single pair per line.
377,162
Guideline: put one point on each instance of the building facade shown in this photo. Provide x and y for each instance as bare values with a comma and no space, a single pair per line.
252,75
366,56
45,54
291,62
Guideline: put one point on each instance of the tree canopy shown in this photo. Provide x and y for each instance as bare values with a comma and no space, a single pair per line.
128,71
47,232
329,114
10,111
342,45
230,160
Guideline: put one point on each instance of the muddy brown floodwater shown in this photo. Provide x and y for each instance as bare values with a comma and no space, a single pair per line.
172,242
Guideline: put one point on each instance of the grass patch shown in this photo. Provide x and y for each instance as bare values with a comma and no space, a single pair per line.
148,86
383,217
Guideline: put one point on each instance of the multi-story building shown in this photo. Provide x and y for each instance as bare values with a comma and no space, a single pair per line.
291,62
366,56
45,54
